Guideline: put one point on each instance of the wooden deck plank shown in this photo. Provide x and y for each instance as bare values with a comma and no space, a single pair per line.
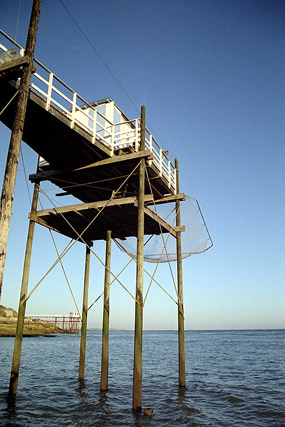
120,218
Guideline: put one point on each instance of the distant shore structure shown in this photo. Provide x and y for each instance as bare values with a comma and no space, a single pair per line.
69,321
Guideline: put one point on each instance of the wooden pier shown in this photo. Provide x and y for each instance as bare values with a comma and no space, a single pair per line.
69,321
115,170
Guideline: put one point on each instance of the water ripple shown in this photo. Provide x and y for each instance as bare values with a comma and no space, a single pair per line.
234,378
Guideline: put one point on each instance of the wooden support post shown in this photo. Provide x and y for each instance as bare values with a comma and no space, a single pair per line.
9,180
106,312
22,303
84,317
137,376
181,343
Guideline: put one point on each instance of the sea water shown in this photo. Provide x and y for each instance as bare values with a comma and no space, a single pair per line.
234,378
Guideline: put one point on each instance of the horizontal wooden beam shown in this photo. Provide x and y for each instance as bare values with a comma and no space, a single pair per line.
42,222
14,63
84,206
10,68
161,221
179,228
42,176
45,216
168,199
64,193
117,159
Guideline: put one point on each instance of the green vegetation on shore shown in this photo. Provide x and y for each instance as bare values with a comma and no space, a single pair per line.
7,312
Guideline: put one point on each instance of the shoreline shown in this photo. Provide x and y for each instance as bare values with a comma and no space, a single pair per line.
32,328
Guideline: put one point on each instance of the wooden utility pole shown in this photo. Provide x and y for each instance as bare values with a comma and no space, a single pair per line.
8,188
22,304
84,316
106,316
137,376
181,343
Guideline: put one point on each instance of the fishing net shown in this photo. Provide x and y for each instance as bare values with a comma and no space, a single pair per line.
195,238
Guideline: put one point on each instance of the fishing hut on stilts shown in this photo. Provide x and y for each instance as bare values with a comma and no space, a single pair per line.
116,171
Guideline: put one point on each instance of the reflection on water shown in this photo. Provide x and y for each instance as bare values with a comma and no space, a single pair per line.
81,389
233,378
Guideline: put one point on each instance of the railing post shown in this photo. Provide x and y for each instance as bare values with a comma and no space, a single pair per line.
150,142
73,111
160,161
169,174
94,126
137,135
49,93
112,139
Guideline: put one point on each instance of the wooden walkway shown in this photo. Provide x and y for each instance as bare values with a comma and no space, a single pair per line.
82,163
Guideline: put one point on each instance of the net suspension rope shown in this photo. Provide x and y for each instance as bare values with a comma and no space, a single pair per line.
62,266
156,267
133,258
164,243
68,247
116,277
72,242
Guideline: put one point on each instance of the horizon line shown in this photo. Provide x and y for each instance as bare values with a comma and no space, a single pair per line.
191,330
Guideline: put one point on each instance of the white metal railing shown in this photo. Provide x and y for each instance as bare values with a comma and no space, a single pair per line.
60,96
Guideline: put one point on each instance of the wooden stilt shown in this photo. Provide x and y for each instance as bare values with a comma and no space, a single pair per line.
181,343
9,180
105,331
84,316
137,375
22,303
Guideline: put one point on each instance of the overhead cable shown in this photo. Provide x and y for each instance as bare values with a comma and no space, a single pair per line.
99,56
106,65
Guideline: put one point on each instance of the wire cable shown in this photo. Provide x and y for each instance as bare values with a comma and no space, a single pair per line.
18,19
99,56
25,175
106,66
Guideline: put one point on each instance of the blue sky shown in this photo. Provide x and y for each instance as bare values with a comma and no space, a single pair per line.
211,74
